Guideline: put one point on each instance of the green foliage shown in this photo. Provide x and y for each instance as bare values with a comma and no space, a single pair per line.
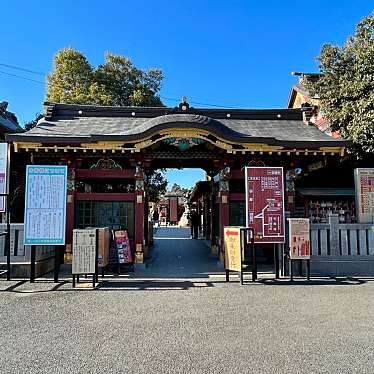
117,82
29,125
156,184
346,87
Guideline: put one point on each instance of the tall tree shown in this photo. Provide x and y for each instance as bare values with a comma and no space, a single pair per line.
346,87
156,184
128,85
72,81
117,82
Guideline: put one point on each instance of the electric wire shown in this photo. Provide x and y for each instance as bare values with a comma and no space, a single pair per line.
43,74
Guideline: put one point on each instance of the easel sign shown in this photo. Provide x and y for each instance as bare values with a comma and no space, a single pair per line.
235,241
299,234
85,254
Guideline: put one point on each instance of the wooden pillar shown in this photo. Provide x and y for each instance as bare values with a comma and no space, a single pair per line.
139,220
224,219
224,205
290,192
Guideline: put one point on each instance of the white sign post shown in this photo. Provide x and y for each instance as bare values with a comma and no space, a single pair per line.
45,205
364,183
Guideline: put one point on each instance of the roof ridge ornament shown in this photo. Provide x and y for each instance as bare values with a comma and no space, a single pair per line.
184,104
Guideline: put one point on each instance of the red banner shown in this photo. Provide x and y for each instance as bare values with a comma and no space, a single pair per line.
265,203
173,209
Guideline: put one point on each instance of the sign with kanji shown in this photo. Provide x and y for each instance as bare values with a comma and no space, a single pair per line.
45,205
233,258
299,238
364,182
265,203
84,251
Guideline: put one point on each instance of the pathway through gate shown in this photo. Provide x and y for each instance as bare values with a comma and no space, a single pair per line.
176,255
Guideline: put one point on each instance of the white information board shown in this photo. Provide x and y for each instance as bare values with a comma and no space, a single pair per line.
3,173
84,251
299,233
45,205
364,183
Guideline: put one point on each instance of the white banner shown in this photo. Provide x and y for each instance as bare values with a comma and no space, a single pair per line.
299,238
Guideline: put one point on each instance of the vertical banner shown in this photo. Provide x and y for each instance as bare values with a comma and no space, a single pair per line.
173,202
364,183
123,246
45,205
233,258
265,203
299,238
4,157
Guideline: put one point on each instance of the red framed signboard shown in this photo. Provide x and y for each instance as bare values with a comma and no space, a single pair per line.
265,203
173,209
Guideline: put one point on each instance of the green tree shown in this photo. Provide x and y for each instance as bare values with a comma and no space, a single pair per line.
156,184
127,85
117,82
30,124
346,87
72,81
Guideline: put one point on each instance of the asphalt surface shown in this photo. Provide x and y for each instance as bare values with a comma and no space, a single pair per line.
187,320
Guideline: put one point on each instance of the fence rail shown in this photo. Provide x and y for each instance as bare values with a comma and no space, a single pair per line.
337,239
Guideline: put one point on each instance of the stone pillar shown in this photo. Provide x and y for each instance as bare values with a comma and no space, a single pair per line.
333,220
139,219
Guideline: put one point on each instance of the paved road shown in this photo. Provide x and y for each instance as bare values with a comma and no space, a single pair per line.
178,325
176,255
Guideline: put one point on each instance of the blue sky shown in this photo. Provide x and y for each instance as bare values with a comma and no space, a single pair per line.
215,52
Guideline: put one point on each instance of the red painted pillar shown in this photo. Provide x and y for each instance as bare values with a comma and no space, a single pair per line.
139,221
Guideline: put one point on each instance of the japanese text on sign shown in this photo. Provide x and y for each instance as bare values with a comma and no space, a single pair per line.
364,181
45,205
84,251
299,238
265,203
233,259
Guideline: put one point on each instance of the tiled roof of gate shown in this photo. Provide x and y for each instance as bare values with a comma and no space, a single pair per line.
66,123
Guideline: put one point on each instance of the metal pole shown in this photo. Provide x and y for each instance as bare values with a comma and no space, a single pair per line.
308,269
276,261
32,264
291,271
7,238
57,264
254,260
227,275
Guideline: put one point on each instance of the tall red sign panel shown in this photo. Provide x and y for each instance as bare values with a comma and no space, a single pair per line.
173,209
265,203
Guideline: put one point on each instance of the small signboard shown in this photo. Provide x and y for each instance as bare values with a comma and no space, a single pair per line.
233,258
45,205
364,183
265,203
299,238
84,251
3,173
173,209
123,246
